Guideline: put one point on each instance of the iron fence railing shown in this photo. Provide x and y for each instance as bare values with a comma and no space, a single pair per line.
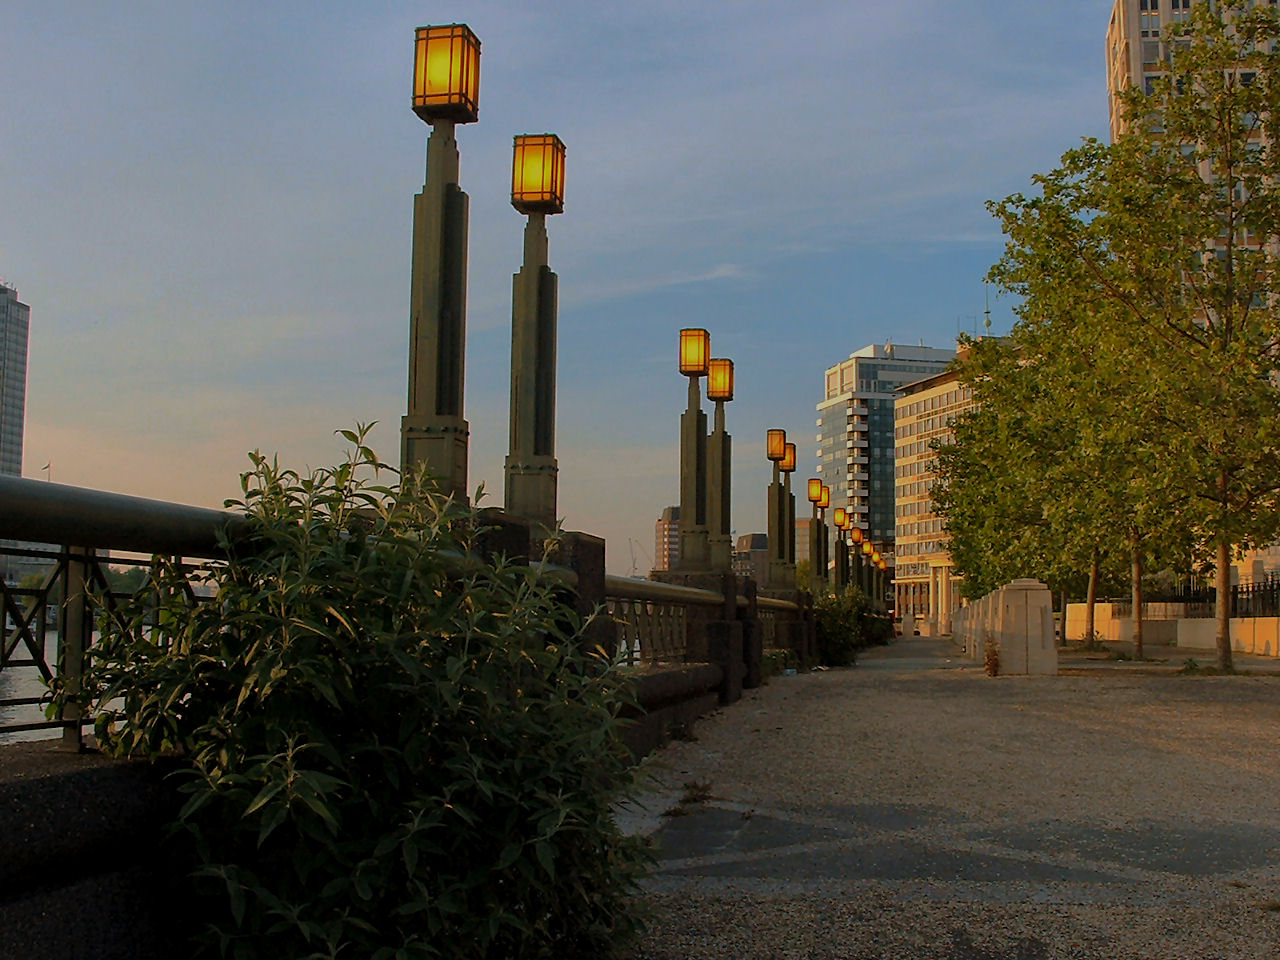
47,630
1249,598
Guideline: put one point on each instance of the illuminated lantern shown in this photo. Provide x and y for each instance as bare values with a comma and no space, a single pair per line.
720,379
537,174
446,74
695,351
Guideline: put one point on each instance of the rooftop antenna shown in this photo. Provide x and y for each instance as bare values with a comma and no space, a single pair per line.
986,293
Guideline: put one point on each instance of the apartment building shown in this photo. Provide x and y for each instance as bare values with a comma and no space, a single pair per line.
925,583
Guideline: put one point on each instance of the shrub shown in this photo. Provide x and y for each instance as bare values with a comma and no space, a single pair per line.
384,757
846,624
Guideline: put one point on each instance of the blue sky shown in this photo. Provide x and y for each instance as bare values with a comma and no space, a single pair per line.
208,208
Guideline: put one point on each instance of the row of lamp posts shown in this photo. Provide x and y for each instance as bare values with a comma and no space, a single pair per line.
855,559
433,433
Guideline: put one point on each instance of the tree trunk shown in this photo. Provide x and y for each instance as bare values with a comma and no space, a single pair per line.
1138,653
1222,581
1092,600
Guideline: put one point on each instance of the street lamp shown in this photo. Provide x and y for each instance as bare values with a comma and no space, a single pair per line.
814,490
537,190
841,521
446,92
788,467
824,555
781,567
720,390
695,362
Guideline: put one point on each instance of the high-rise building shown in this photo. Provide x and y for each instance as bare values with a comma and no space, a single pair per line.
751,557
15,322
855,431
925,583
666,536
1136,54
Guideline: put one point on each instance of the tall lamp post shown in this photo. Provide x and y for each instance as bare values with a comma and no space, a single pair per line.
446,90
841,521
824,556
814,491
867,551
776,451
537,190
788,467
855,559
695,362
719,389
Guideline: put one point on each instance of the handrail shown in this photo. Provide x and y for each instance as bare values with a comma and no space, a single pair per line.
632,588
42,512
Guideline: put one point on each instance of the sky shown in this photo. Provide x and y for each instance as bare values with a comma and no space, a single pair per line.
207,207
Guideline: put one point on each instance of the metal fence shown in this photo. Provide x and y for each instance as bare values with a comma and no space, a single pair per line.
1250,598
47,631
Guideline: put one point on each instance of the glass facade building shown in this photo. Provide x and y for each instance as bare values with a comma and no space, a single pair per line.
856,430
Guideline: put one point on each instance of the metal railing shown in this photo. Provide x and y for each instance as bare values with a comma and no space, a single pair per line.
47,631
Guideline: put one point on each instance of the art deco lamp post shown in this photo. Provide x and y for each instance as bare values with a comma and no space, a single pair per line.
855,558
841,521
719,389
867,551
695,362
776,451
788,467
446,89
537,190
824,555
814,491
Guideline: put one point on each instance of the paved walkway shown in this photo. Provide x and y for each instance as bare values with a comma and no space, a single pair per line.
914,808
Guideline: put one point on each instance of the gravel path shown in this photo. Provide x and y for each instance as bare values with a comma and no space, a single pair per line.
914,808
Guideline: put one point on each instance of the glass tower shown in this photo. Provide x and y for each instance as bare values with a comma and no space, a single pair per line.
14,326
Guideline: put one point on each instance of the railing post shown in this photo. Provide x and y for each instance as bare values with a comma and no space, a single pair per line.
752,635
584,555
77,620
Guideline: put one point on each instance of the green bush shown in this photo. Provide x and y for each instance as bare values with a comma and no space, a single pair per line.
383,757
846,624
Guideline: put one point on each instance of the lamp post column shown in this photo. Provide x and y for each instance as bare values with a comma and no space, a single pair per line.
433,432
693,483
720,545
531,469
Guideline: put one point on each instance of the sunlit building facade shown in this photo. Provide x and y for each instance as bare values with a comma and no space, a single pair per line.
925,584
1136,54
666,540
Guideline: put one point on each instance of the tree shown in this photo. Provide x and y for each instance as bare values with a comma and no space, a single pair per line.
1171,236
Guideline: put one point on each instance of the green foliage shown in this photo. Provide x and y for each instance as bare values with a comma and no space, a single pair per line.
774,662
846,624
1139,412
386,756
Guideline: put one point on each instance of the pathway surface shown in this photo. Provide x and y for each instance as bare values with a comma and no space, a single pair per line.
914,808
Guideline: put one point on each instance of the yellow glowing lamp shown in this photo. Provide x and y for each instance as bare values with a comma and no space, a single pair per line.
867,548
719,379
695,351
875,557
776,445
446,74
857,534
826,498
815,491
788,463
883,565
840,517
537,173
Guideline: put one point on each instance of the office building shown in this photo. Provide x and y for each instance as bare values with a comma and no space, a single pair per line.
751,557
925,584
1136,54
666,536
855,431
14,326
